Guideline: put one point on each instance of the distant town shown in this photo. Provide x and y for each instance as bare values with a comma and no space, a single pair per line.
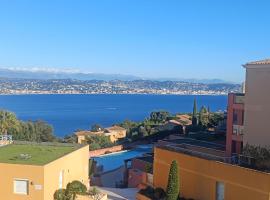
72,86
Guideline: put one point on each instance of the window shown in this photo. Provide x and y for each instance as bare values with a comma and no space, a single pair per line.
61,179
220,191
21,186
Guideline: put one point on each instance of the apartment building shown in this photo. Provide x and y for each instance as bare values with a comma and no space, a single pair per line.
36,171
235,123
209,171
257,103
114,133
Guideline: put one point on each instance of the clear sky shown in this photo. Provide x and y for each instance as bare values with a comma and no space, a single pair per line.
149,38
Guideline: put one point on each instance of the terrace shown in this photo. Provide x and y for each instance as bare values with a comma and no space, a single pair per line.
205,150
34,153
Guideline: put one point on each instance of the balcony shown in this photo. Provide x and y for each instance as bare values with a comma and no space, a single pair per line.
201,152
239,98
238,130
5,139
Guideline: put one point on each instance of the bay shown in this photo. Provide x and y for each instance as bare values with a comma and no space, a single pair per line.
70,112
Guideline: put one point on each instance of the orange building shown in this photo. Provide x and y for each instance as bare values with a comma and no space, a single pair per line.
205,175
208,171
114,133
36,171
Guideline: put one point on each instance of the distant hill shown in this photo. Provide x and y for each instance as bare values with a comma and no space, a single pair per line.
61,74
46,74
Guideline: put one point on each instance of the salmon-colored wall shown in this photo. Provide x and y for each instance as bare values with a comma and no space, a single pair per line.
10,172
74,166
198,177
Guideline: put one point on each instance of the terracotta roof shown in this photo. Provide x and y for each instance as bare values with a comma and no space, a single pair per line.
81,133
185,119
175,122
259,62
115,128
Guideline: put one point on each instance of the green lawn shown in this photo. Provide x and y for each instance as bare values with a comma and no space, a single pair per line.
32,154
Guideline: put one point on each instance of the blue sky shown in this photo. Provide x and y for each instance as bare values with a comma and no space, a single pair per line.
148,38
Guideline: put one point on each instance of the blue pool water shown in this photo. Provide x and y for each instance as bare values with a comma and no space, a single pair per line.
115,160
68,113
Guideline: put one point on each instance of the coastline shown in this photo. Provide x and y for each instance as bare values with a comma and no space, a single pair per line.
153,94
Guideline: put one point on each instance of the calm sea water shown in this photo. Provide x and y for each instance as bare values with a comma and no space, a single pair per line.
68,113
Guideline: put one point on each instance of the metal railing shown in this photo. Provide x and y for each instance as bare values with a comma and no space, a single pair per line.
5,137
238,130
232,159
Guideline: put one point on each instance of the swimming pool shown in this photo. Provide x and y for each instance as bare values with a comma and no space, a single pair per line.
115,160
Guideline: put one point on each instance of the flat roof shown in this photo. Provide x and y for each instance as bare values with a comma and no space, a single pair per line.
199,143
34,154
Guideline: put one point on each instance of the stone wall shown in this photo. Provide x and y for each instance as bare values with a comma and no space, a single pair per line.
100,152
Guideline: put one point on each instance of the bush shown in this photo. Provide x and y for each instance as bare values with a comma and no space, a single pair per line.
173,182
62,194
76,187
260,154
154,194
159,193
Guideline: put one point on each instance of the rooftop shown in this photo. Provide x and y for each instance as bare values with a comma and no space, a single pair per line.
34,154
85,133
115,128
259,62
195,142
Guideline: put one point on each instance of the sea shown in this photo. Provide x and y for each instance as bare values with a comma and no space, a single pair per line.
70,112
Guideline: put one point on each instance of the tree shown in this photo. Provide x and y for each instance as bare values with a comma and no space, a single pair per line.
159,116
173,182
8,120
98,141
76,187
61,194
34,131
195,114
96,128
203,117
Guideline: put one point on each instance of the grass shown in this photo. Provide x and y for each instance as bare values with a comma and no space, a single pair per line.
33,154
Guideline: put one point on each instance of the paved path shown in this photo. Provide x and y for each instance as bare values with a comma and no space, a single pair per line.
120,194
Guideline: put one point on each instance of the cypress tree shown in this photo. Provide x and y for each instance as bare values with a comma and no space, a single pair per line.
173,182
194,114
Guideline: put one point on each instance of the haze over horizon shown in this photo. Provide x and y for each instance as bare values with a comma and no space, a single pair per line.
153,39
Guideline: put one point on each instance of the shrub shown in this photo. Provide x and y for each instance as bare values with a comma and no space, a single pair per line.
173,182
154,194
148,168
61,194
95,194
76,187
159,194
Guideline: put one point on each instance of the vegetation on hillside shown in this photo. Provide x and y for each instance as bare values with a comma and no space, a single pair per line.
98,142
34,131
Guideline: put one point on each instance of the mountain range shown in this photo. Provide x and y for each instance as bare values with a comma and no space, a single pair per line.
45,74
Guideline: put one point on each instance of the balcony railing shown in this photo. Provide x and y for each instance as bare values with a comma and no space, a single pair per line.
239,99
232,159
5,140
238,130
5,137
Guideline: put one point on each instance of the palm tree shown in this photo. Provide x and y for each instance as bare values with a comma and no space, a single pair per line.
7,120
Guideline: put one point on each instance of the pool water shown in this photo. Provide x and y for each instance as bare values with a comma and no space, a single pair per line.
115,160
